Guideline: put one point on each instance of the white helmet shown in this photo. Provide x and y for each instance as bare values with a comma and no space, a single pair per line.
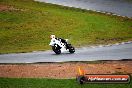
52,36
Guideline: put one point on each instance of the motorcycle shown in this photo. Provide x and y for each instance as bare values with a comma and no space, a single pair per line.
58,46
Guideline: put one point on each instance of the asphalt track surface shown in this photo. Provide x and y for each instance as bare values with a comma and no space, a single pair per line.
114,52
118,7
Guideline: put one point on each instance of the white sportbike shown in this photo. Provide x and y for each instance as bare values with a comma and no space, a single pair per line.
58,46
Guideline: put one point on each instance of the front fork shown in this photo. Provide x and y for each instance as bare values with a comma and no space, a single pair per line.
57,46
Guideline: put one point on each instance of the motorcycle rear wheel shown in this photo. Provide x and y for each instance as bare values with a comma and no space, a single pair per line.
71,48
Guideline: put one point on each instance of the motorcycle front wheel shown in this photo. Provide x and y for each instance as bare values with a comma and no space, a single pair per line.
56,50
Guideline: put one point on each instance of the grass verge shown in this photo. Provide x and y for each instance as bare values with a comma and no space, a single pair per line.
53,83
25,25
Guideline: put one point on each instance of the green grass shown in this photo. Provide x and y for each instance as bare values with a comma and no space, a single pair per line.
28,28
53,83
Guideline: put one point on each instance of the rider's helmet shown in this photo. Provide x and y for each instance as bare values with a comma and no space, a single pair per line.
52,36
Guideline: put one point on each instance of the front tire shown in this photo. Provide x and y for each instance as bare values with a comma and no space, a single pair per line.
56,50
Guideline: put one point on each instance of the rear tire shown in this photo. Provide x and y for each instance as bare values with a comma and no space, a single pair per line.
71,48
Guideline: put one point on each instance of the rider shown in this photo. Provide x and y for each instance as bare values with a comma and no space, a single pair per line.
60,39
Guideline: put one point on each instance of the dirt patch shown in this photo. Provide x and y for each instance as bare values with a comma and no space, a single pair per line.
64,70
5,8
9,8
